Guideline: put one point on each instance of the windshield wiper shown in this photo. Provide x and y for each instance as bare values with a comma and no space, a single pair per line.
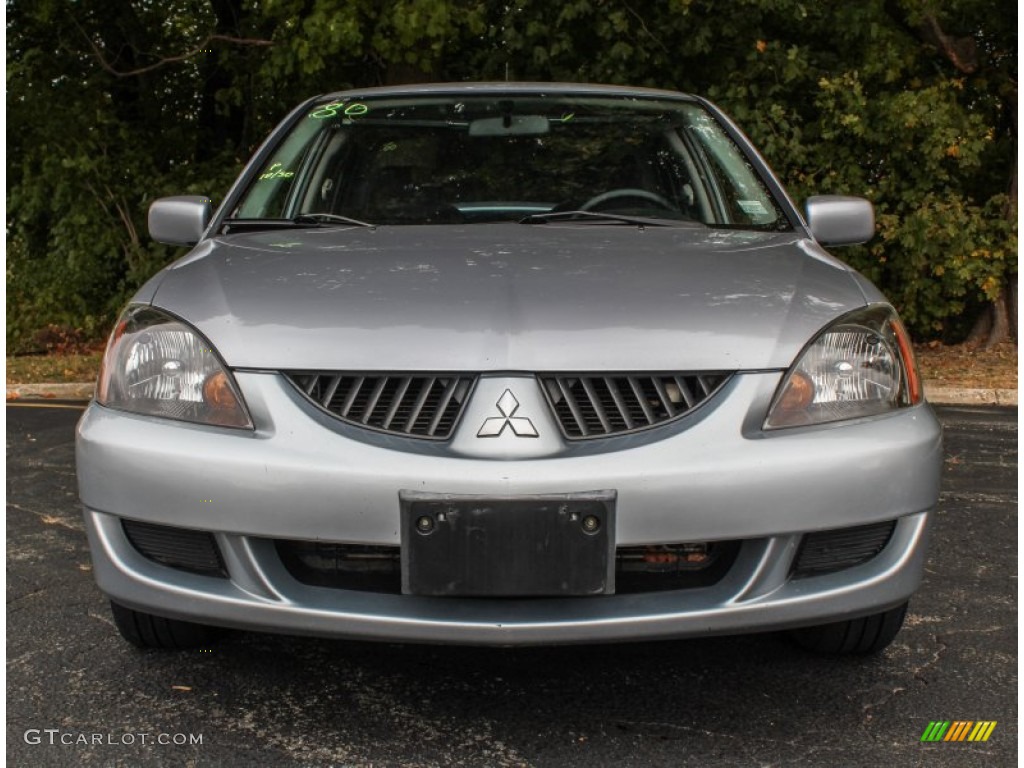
302,220
328,218
641,221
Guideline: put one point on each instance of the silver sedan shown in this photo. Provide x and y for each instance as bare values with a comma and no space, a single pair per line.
509,364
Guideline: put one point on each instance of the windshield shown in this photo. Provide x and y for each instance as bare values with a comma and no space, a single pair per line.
453,159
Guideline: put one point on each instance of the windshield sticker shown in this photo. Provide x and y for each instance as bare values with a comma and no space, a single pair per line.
332,110
276,172
752,207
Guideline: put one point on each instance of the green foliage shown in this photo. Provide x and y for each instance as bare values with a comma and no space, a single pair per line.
859,98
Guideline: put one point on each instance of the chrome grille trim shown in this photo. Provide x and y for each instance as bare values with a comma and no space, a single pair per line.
589,406
425,406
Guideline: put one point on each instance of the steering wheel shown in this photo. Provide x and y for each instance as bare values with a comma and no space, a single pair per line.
612,194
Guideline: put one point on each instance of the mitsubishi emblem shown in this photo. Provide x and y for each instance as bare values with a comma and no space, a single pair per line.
507,406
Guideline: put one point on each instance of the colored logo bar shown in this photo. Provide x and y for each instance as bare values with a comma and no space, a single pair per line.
958,730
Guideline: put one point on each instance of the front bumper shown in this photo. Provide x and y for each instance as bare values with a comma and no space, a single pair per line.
713,477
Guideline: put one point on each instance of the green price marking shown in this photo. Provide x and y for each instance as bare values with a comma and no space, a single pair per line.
327,110
275,172
332,110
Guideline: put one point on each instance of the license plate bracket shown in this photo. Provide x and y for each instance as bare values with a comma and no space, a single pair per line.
522,546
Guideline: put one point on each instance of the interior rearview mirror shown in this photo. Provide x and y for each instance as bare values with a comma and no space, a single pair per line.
510,125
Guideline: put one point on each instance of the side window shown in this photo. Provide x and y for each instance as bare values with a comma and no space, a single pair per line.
269,194
328,174
741,192
674,180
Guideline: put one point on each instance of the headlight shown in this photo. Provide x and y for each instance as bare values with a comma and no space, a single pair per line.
861,365
157,365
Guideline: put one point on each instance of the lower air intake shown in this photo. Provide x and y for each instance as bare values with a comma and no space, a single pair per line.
343,566
829,551
663,567
186,550
638,570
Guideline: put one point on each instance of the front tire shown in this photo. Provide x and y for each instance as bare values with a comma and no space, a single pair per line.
144,630
866,635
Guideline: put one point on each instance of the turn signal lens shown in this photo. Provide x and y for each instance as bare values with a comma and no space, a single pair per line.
797,394
915,391
103,385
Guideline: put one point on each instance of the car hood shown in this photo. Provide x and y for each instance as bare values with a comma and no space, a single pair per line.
509,297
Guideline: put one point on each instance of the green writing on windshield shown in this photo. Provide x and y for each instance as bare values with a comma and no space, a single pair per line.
276,172
332,110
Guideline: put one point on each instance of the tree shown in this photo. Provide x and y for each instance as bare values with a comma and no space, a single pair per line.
912,104
989,52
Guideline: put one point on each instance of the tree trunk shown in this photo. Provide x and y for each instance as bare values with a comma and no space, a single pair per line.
1004,310
1010,295
1000,330
998,323
1012,303
982,328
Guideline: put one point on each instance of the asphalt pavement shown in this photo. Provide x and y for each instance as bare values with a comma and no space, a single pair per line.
78,695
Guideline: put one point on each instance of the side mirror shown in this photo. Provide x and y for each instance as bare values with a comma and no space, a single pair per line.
840,220
179,220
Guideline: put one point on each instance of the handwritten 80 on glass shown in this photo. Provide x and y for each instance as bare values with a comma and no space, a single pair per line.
332,110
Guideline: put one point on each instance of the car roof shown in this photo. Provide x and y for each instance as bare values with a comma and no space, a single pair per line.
485,88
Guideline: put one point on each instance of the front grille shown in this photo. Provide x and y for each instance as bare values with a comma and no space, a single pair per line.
186,550
379,569
597,406
425,406
828,551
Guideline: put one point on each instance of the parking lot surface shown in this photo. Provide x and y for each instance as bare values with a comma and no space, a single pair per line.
78,695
